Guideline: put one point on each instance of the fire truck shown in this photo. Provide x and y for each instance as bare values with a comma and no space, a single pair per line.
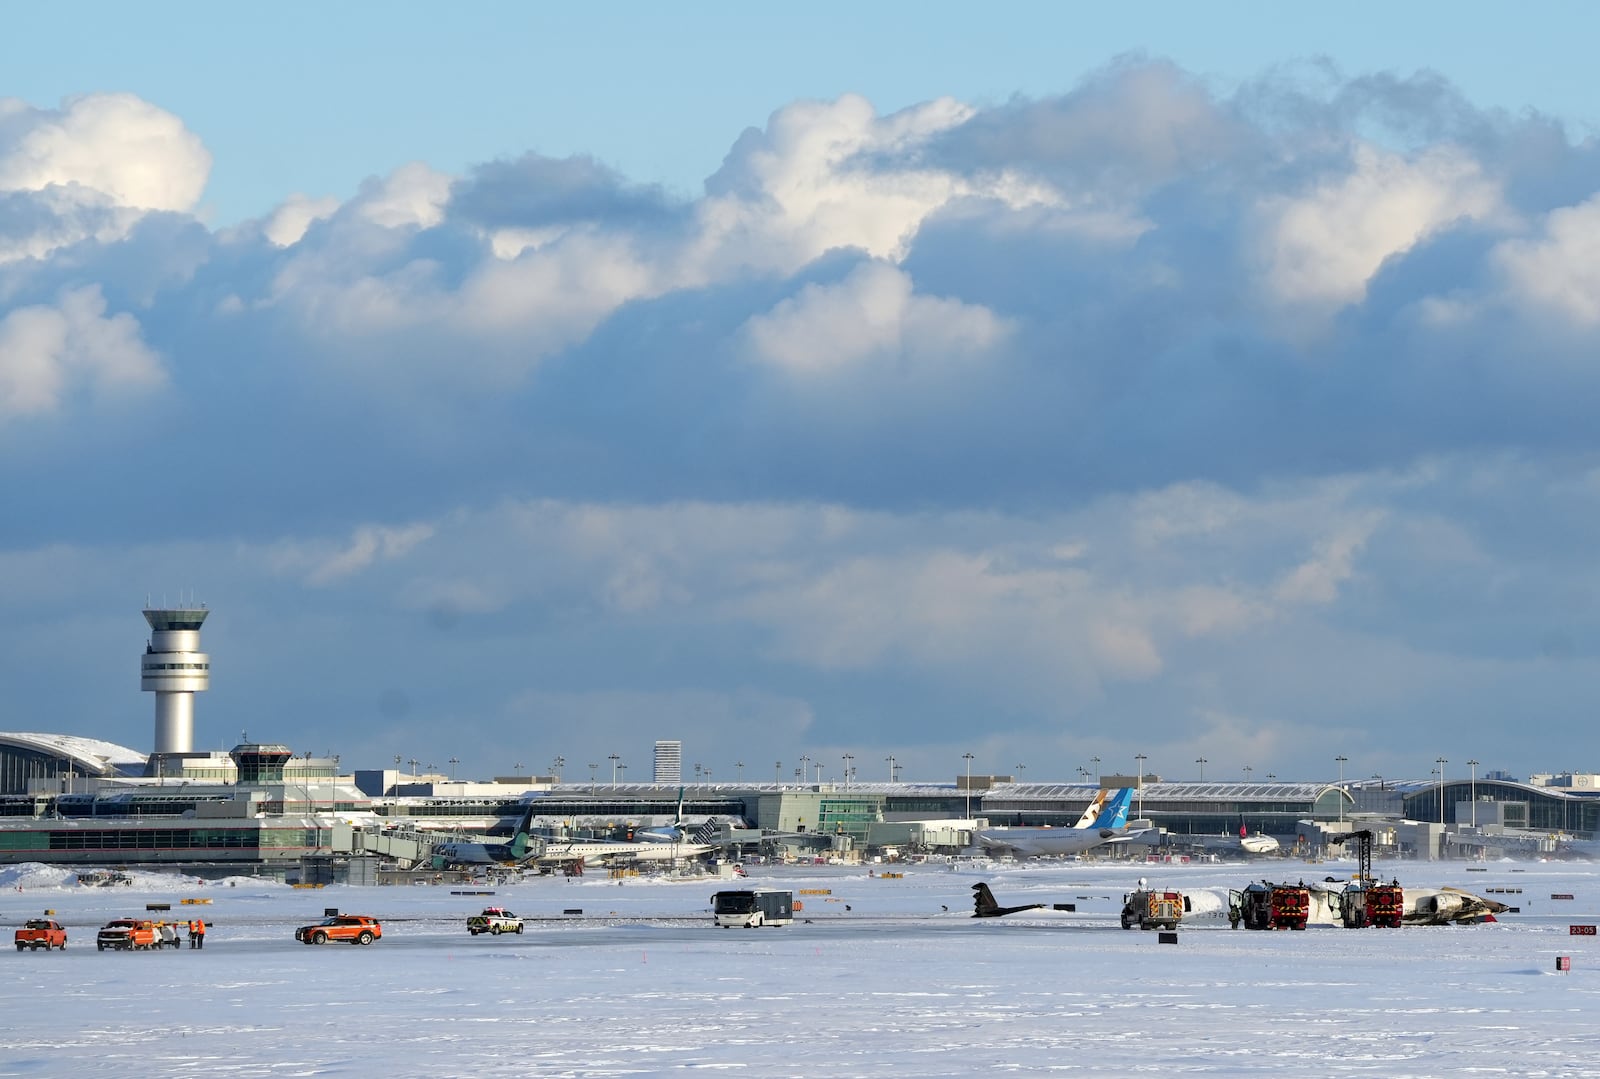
1151,908
1265,905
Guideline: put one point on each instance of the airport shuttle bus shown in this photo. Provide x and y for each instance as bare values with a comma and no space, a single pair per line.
751,909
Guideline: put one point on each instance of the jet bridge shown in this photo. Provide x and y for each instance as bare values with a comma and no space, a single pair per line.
408,847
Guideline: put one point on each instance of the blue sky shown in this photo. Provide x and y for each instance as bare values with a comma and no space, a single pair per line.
1051,385
314,98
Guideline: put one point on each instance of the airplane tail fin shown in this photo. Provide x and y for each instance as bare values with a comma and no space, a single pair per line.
984,906
519,841
706,834
1096,805
1115,813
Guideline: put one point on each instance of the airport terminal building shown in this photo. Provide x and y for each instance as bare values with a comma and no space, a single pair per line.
260,808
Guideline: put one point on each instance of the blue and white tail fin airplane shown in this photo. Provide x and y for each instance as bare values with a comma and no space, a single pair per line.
1108,809
1104,822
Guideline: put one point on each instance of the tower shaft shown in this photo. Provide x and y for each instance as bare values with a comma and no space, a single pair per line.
175,669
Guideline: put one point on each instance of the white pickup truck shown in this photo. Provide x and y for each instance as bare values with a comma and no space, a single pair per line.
494,920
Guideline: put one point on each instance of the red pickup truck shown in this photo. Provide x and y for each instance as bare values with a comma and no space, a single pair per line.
41,933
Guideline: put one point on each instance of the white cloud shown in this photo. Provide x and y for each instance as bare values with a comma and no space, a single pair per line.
412,196
1559,269
288,223
320,562
874,314
1317,579
1321,247
116,144
51,354
91,168
813,181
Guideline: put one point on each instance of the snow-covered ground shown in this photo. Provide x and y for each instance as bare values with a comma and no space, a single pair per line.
884,976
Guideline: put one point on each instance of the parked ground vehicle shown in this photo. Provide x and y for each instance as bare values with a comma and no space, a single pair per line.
1264,905
494,920
1291,906
751,909
128,934
352,928
1151,908
41,933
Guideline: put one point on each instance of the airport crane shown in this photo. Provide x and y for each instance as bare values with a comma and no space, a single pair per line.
1363,851
1374,904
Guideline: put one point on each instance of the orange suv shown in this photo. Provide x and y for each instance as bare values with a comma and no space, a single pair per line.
354,928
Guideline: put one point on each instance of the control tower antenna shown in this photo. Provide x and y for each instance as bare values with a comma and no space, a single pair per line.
175,669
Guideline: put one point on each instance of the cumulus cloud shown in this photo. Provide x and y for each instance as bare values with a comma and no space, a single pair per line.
288,223
1558,269
1321,247
91,168
872,315
52,354
1103,406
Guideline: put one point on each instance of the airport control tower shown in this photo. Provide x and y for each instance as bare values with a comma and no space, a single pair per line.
175,669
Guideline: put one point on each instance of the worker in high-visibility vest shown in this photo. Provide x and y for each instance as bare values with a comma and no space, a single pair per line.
199,932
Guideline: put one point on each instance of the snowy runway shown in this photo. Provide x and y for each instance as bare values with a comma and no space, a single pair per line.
642,984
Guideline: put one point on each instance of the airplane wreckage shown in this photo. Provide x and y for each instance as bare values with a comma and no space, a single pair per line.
1265,905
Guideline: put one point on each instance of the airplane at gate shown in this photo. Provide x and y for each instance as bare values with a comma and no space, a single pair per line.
1104,822
515,852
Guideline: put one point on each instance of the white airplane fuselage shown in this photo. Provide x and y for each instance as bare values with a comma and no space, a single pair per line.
596,852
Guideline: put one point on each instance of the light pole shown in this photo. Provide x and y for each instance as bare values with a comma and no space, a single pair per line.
593,767
1083,773
613,759
1472,791
1340,761
453,762
968,758
1247,771
1020,769
556,766
777,771
847,758
805,767
1201,761
738,771
1441,762
818,766
890,759
1096,762
622,767
1141,758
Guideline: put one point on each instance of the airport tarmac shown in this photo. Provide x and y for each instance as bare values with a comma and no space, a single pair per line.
882,976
